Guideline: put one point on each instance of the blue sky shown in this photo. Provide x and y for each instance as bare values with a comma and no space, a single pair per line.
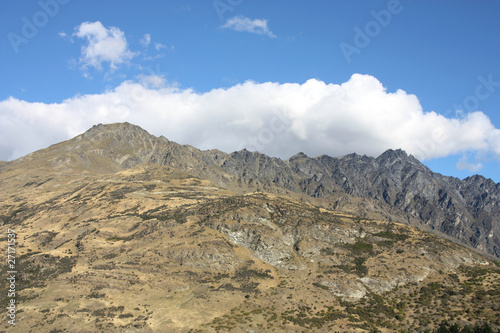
323,77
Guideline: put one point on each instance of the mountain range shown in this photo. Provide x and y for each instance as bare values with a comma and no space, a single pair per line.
395,186
122,231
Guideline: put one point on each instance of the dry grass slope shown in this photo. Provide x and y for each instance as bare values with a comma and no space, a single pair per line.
154,249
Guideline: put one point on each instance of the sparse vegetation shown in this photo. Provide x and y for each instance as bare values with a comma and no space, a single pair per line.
398,237
361,248
446,327
319,285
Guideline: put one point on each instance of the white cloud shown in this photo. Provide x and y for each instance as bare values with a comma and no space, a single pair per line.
151,58
257,26
104,45
463,164
159,46
277,119
146,40
152,81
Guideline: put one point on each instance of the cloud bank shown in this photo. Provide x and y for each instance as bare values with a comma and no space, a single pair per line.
280,120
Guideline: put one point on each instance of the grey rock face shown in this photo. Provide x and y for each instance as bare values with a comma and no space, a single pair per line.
467,210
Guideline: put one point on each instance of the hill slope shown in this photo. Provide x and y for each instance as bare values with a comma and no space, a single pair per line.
154,249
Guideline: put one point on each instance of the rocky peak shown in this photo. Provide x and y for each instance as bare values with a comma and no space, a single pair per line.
119,135
481,181
391,156
125,127
351,156
298,156
244,153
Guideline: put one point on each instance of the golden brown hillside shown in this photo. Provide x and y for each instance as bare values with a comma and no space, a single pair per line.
154,249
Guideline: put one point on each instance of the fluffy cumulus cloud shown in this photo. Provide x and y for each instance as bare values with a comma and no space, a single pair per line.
257,26
359,116
104,45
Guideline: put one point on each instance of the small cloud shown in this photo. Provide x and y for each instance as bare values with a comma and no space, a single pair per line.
103,45
152,81
241,23
63,35
146,40
294,37
160,46
463,164
151,58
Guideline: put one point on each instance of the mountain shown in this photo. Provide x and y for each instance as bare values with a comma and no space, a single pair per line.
121,231
393,186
